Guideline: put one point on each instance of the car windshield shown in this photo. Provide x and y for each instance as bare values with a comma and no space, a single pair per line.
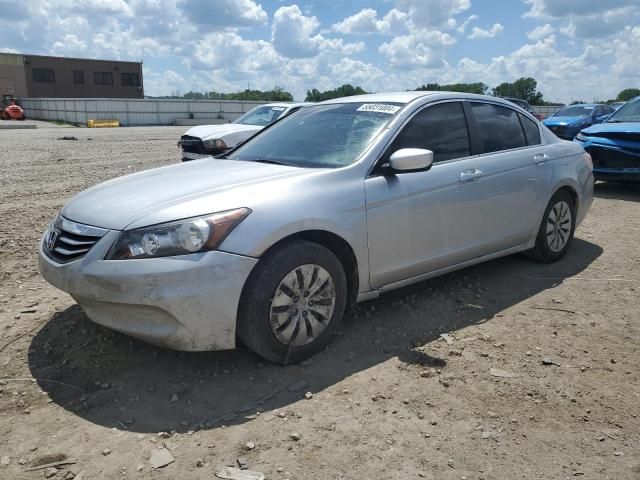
324,136
629,112
575,111
261,116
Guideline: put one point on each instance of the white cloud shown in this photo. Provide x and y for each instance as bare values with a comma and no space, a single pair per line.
463,26
204,45
70,45
292,34
366,21
433,13
540,32
587,19
223,13
479,33
423,48
546,9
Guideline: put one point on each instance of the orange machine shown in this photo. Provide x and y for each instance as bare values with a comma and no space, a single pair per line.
10,110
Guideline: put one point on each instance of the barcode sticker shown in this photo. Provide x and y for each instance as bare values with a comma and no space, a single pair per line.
379,108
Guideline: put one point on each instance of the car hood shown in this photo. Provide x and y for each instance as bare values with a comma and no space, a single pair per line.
206,132
624,127
560,121
180,191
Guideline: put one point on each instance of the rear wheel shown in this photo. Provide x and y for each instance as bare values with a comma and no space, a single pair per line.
556,230
293,303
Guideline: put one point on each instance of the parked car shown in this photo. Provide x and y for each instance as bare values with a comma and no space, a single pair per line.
570,120
336,204
615,145
206,140
524,105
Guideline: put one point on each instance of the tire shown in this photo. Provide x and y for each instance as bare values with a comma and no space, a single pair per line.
554,238
271,305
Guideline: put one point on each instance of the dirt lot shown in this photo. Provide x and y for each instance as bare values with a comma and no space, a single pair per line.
391,398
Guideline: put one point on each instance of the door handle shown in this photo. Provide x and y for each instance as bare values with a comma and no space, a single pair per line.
470,175
541,157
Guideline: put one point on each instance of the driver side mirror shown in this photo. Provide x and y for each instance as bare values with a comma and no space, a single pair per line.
411,160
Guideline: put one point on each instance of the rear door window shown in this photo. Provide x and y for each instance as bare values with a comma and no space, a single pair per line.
440,128
531,130
498,126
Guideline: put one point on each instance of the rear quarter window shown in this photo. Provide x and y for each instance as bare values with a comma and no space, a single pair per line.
531,130
499,127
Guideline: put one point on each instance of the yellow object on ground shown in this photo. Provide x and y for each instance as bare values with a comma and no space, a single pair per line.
103,123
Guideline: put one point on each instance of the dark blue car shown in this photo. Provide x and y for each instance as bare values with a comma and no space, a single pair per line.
570,120
614,145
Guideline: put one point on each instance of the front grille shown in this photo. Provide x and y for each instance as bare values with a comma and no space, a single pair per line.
613,158
192,145
67,241
629,137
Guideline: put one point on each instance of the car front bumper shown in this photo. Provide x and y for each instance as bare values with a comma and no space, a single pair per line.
186,302
614,162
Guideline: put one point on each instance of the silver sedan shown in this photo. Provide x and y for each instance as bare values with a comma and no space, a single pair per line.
335,204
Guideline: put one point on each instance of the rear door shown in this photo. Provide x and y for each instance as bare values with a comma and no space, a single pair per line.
515,173
422,221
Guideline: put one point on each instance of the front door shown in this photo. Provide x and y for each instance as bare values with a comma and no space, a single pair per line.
418,222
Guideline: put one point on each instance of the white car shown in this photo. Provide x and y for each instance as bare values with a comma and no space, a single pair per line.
206,140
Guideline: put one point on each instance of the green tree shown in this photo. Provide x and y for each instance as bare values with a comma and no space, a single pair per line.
479,87
524,88
627,94
346,90
276,94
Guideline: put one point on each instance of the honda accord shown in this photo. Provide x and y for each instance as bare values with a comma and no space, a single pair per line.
334,204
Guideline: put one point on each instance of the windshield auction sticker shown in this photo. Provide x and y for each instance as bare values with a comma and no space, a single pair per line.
378,108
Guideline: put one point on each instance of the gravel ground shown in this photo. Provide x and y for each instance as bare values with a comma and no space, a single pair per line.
390,398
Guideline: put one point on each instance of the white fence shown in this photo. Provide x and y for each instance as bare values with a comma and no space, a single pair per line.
546,110
133,112
137,112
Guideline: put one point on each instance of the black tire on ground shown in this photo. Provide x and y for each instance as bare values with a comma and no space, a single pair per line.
545,251
254,323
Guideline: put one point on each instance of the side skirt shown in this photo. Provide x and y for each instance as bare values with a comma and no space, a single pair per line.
370,295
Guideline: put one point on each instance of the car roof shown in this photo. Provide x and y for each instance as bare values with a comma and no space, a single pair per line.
408,97
390,97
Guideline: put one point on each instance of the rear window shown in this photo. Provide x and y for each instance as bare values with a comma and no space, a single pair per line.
499,127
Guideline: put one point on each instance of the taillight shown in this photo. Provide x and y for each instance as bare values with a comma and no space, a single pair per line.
587,158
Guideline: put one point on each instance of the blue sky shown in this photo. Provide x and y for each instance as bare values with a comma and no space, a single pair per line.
576,49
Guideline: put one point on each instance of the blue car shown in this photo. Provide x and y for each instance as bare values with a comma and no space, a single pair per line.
570,120
614,145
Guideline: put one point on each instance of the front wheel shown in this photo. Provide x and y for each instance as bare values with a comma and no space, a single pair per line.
556,230
293,303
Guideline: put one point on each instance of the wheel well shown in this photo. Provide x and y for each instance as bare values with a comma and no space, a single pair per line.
573,194
339,247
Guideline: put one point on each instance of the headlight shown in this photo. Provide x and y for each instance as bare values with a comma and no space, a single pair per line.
214,144
182,237
582,137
